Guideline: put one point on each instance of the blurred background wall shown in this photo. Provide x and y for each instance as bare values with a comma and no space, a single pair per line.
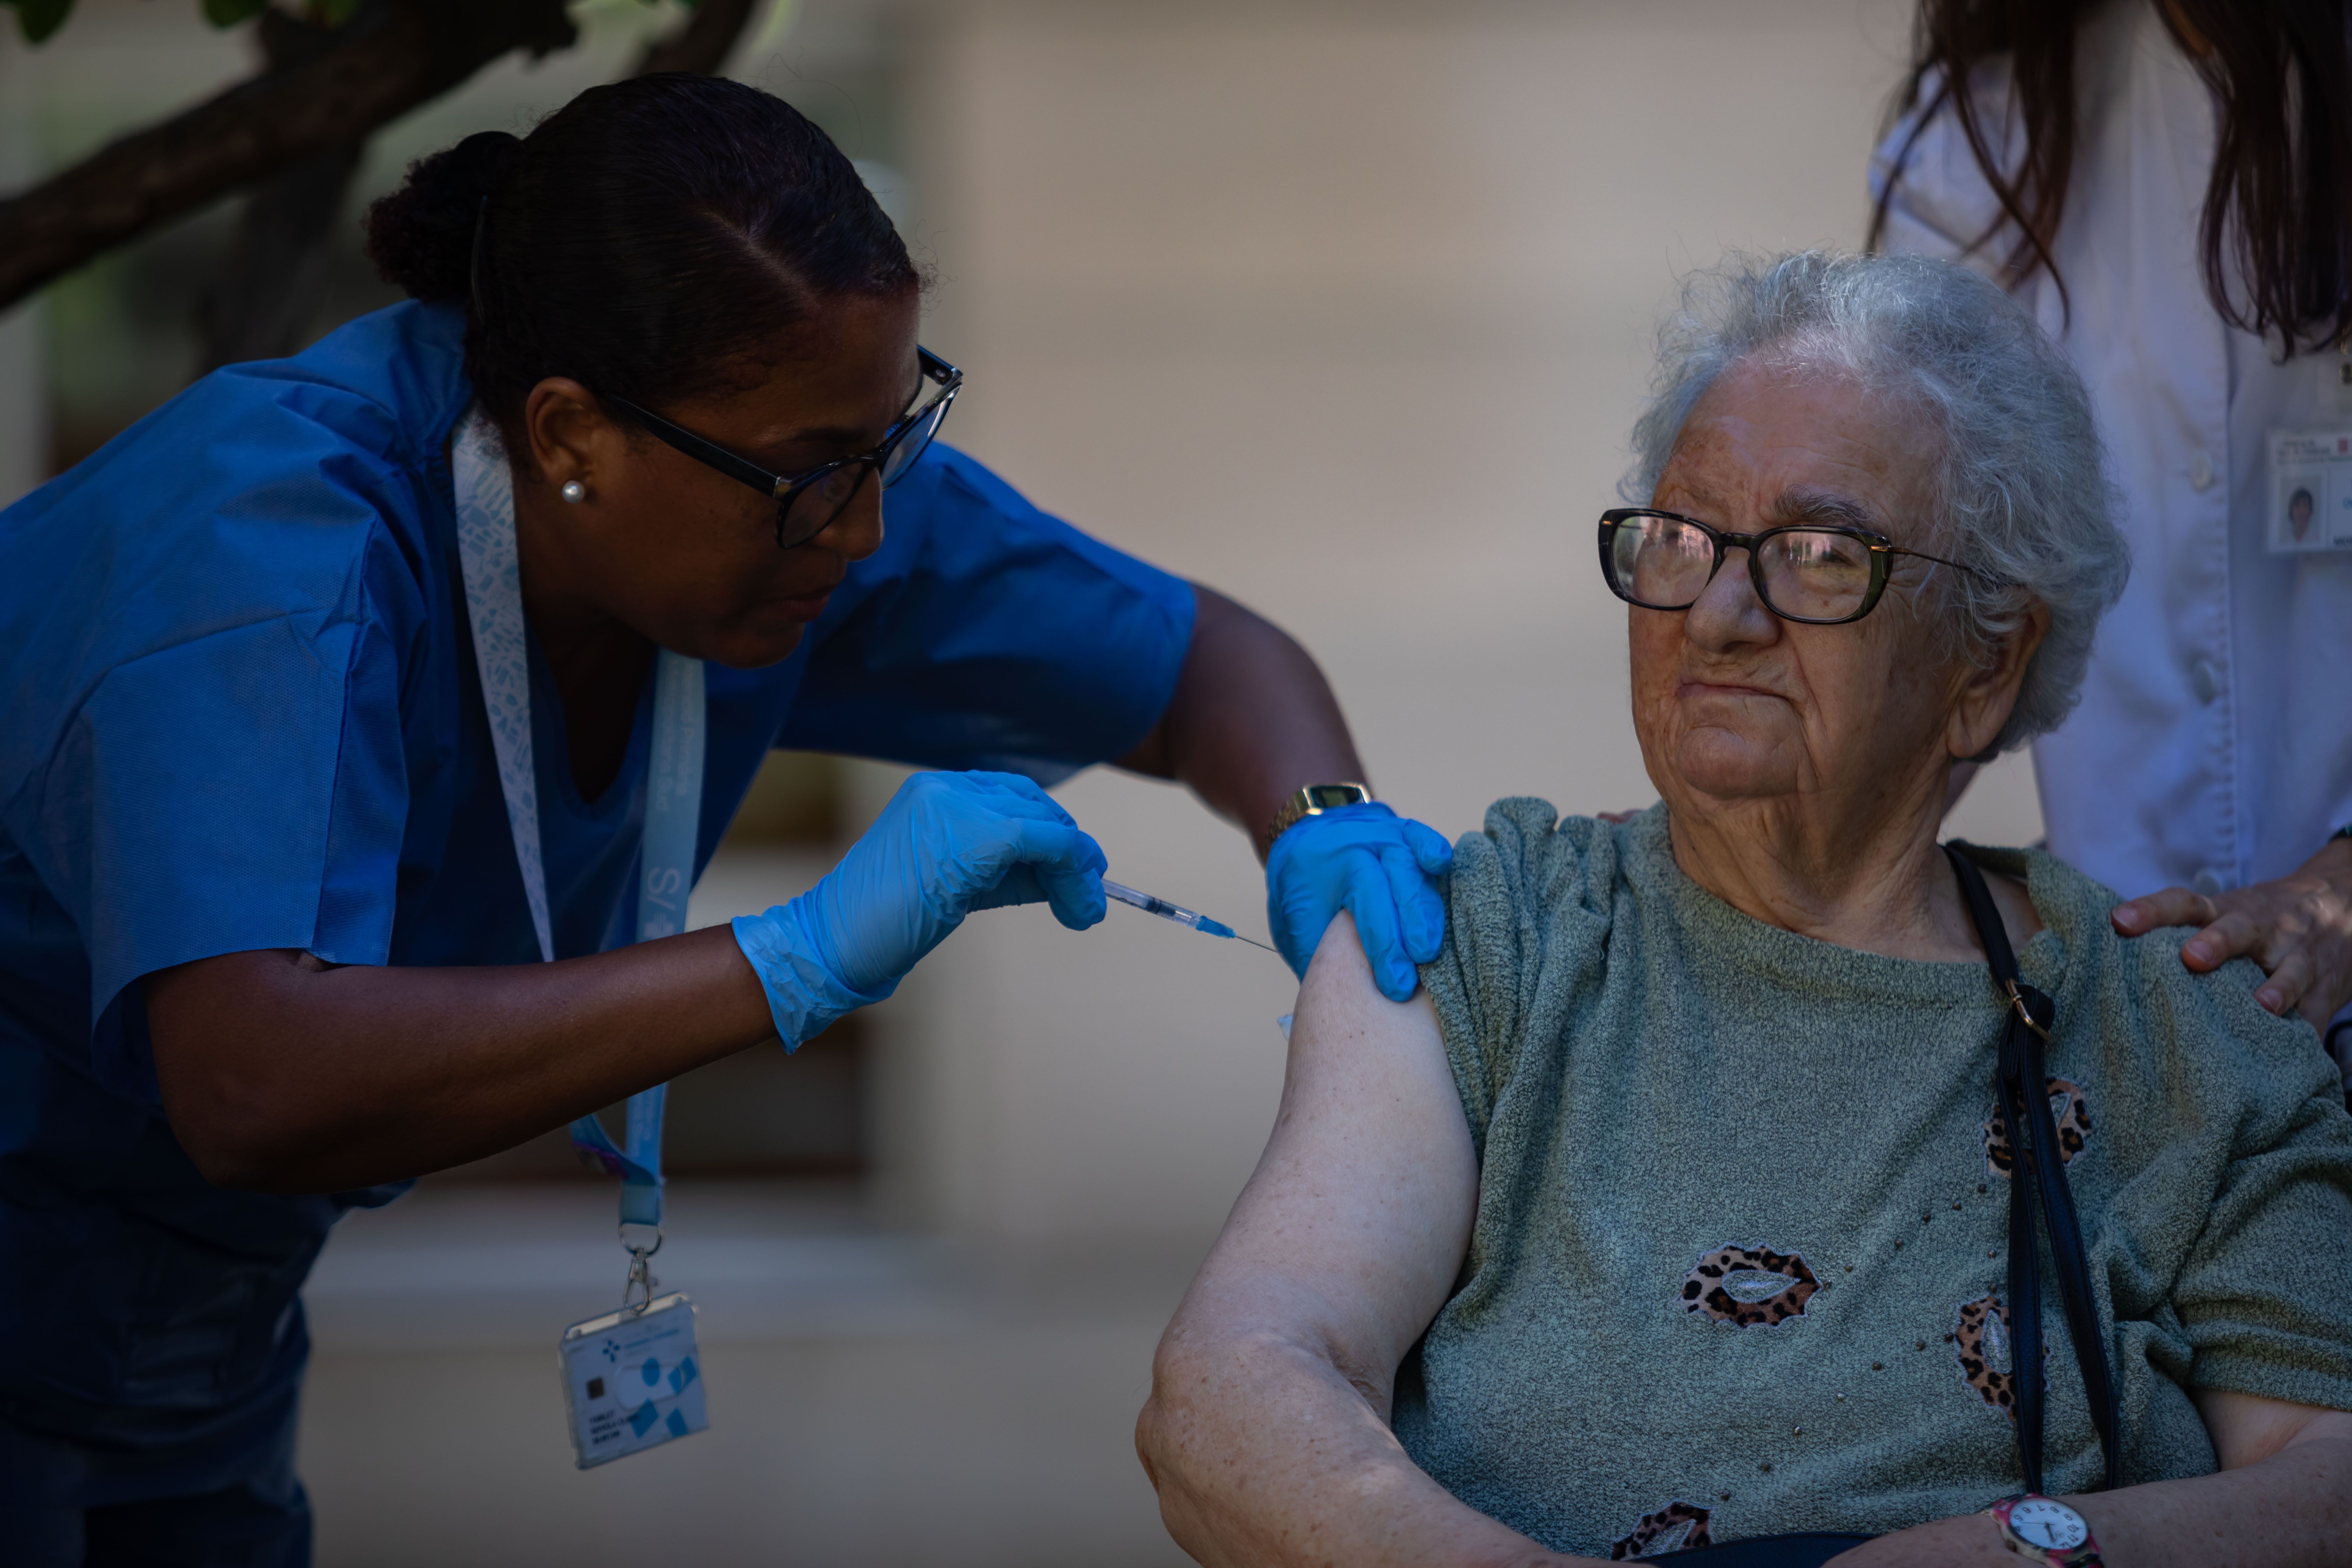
1343,308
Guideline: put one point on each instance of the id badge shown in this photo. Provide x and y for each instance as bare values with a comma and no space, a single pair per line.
2311,492
632,1379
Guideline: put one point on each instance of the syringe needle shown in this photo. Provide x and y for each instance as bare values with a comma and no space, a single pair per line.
1150,904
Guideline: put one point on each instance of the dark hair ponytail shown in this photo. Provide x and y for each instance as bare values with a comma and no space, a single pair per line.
421,237
651,238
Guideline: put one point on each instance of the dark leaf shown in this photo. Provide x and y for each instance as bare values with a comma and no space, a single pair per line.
229,13
38,18
335,13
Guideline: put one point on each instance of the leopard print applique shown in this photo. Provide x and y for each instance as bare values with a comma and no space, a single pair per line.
1980,1339
1676,1527
2067,1108
1748,1286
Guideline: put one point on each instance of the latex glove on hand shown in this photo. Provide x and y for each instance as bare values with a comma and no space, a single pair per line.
1378,867
948,844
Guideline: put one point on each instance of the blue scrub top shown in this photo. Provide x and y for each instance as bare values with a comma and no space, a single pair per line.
242,712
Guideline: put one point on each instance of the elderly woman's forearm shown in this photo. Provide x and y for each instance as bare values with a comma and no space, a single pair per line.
1266,1455
2292,1509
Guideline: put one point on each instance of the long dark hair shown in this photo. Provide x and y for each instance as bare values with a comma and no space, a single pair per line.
657,239
2278,204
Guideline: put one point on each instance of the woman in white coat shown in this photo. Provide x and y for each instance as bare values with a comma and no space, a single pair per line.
2167,186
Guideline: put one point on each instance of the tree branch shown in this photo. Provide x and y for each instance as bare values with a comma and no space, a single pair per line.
703,44
383,63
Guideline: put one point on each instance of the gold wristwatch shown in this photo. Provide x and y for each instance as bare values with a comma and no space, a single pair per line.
1314,800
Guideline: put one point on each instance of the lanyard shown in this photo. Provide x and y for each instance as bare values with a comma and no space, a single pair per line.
487,559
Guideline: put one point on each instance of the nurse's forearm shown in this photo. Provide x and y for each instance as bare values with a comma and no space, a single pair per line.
281,1074
1253,720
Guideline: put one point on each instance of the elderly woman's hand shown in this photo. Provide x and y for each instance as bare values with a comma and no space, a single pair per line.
2298,928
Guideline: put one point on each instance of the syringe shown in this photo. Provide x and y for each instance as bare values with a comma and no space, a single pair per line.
1177,912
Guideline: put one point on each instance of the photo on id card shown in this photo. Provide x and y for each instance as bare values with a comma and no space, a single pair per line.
632,1379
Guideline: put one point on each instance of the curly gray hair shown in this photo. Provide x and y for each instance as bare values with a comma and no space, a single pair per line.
2019,488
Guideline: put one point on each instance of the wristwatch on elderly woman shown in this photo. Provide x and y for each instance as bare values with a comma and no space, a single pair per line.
2044,1530
1314,800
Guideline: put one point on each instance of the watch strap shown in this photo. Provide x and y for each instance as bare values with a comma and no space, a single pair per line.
1313,801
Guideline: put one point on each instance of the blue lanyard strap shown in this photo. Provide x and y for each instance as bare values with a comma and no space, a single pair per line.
490,563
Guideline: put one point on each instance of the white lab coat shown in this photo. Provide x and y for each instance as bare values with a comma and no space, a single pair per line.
2213,745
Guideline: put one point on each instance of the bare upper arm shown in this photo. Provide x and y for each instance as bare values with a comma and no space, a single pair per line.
218,1027
1353,1227
2247,1428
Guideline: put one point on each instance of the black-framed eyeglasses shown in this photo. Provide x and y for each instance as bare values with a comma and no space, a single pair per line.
807,502
1820,574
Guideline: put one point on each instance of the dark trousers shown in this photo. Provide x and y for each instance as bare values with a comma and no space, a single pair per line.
63,1505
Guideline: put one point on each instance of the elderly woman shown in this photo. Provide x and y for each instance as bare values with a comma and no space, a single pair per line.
1676,1209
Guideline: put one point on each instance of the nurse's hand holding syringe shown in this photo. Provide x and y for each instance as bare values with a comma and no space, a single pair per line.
946,846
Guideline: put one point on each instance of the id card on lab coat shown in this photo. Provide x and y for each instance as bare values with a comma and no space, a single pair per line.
632,1381
2311,492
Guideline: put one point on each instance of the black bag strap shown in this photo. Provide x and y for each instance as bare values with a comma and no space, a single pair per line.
2037,1170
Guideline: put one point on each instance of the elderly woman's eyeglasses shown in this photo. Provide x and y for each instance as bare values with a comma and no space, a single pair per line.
1817,574
808,503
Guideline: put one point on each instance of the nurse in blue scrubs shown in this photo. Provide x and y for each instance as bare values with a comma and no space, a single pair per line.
265,946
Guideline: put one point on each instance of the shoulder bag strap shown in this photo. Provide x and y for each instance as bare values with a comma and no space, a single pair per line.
2038,1170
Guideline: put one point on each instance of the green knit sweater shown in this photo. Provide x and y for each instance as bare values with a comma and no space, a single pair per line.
1742,1225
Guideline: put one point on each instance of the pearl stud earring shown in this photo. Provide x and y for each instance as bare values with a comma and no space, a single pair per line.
573,490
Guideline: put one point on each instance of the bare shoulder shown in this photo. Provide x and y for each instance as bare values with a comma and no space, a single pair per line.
1349,1042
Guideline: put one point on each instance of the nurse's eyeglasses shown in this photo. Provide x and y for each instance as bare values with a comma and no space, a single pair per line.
1814,574
807,502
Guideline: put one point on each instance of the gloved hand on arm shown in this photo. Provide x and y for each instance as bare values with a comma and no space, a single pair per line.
1378,867
948,844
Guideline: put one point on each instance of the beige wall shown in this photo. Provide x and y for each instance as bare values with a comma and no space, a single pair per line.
1344,309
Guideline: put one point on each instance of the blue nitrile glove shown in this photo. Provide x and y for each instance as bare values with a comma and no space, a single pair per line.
1378,867
946,845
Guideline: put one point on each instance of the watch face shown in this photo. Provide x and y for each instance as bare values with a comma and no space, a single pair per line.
2038,1521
